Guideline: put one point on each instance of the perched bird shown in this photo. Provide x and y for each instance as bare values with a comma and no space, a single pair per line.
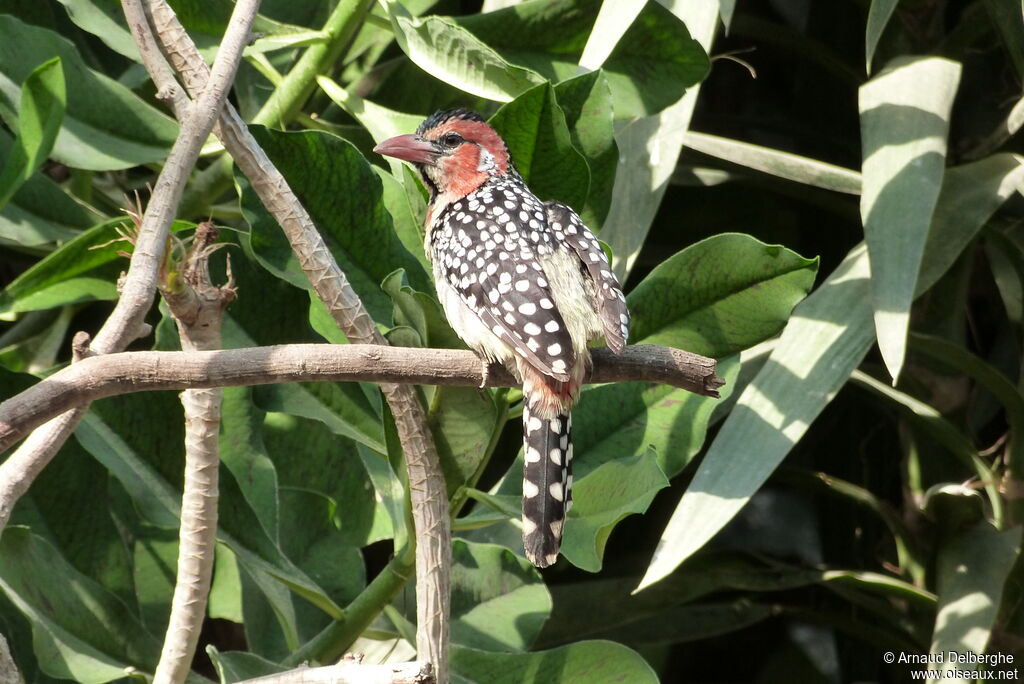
523,282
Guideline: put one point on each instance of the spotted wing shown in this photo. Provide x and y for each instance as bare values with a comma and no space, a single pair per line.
610,302
492,263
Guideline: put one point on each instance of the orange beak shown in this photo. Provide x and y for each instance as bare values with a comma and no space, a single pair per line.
410,148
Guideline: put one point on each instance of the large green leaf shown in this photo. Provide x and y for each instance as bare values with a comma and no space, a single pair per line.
650,67
499,602
106,126
826,338
343,196
973,568
623,419
41,214
84,269
904,118
719,296
452,54
587,105
533,126
80,631
610,493
593,662
43,99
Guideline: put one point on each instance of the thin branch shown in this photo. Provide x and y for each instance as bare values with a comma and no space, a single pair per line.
426,481
138,289
127,372
197,307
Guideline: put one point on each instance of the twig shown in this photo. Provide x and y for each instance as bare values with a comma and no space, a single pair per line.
113,374
426,481
126,323
349,672
197,307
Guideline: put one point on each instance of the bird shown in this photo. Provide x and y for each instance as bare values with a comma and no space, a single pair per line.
525,284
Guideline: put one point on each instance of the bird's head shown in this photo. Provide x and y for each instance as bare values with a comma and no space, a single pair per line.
455,151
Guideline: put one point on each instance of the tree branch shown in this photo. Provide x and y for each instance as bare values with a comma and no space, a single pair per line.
138,290
197,307
127,372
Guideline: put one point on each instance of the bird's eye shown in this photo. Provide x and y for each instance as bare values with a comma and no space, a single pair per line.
451,139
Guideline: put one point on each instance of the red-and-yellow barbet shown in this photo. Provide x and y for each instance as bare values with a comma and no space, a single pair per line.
523,282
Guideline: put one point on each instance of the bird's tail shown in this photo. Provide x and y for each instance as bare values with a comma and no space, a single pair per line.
547,481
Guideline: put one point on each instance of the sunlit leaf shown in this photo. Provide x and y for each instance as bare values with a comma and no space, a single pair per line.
43,100
904,116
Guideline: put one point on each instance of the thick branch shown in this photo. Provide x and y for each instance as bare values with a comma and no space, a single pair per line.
112,374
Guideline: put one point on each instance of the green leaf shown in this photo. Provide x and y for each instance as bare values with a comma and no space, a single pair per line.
973,569
594,662
904,116
650,67
41,214
499,601
624,419
776,162
878,17
610,493
80,631
452,54
84,269
587,105
826,338
719,296
106,127
533,126
110,440
344,198
43,101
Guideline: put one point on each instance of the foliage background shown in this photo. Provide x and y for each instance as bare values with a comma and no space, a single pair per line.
892,525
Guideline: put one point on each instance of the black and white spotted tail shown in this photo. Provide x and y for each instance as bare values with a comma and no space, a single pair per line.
547,484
